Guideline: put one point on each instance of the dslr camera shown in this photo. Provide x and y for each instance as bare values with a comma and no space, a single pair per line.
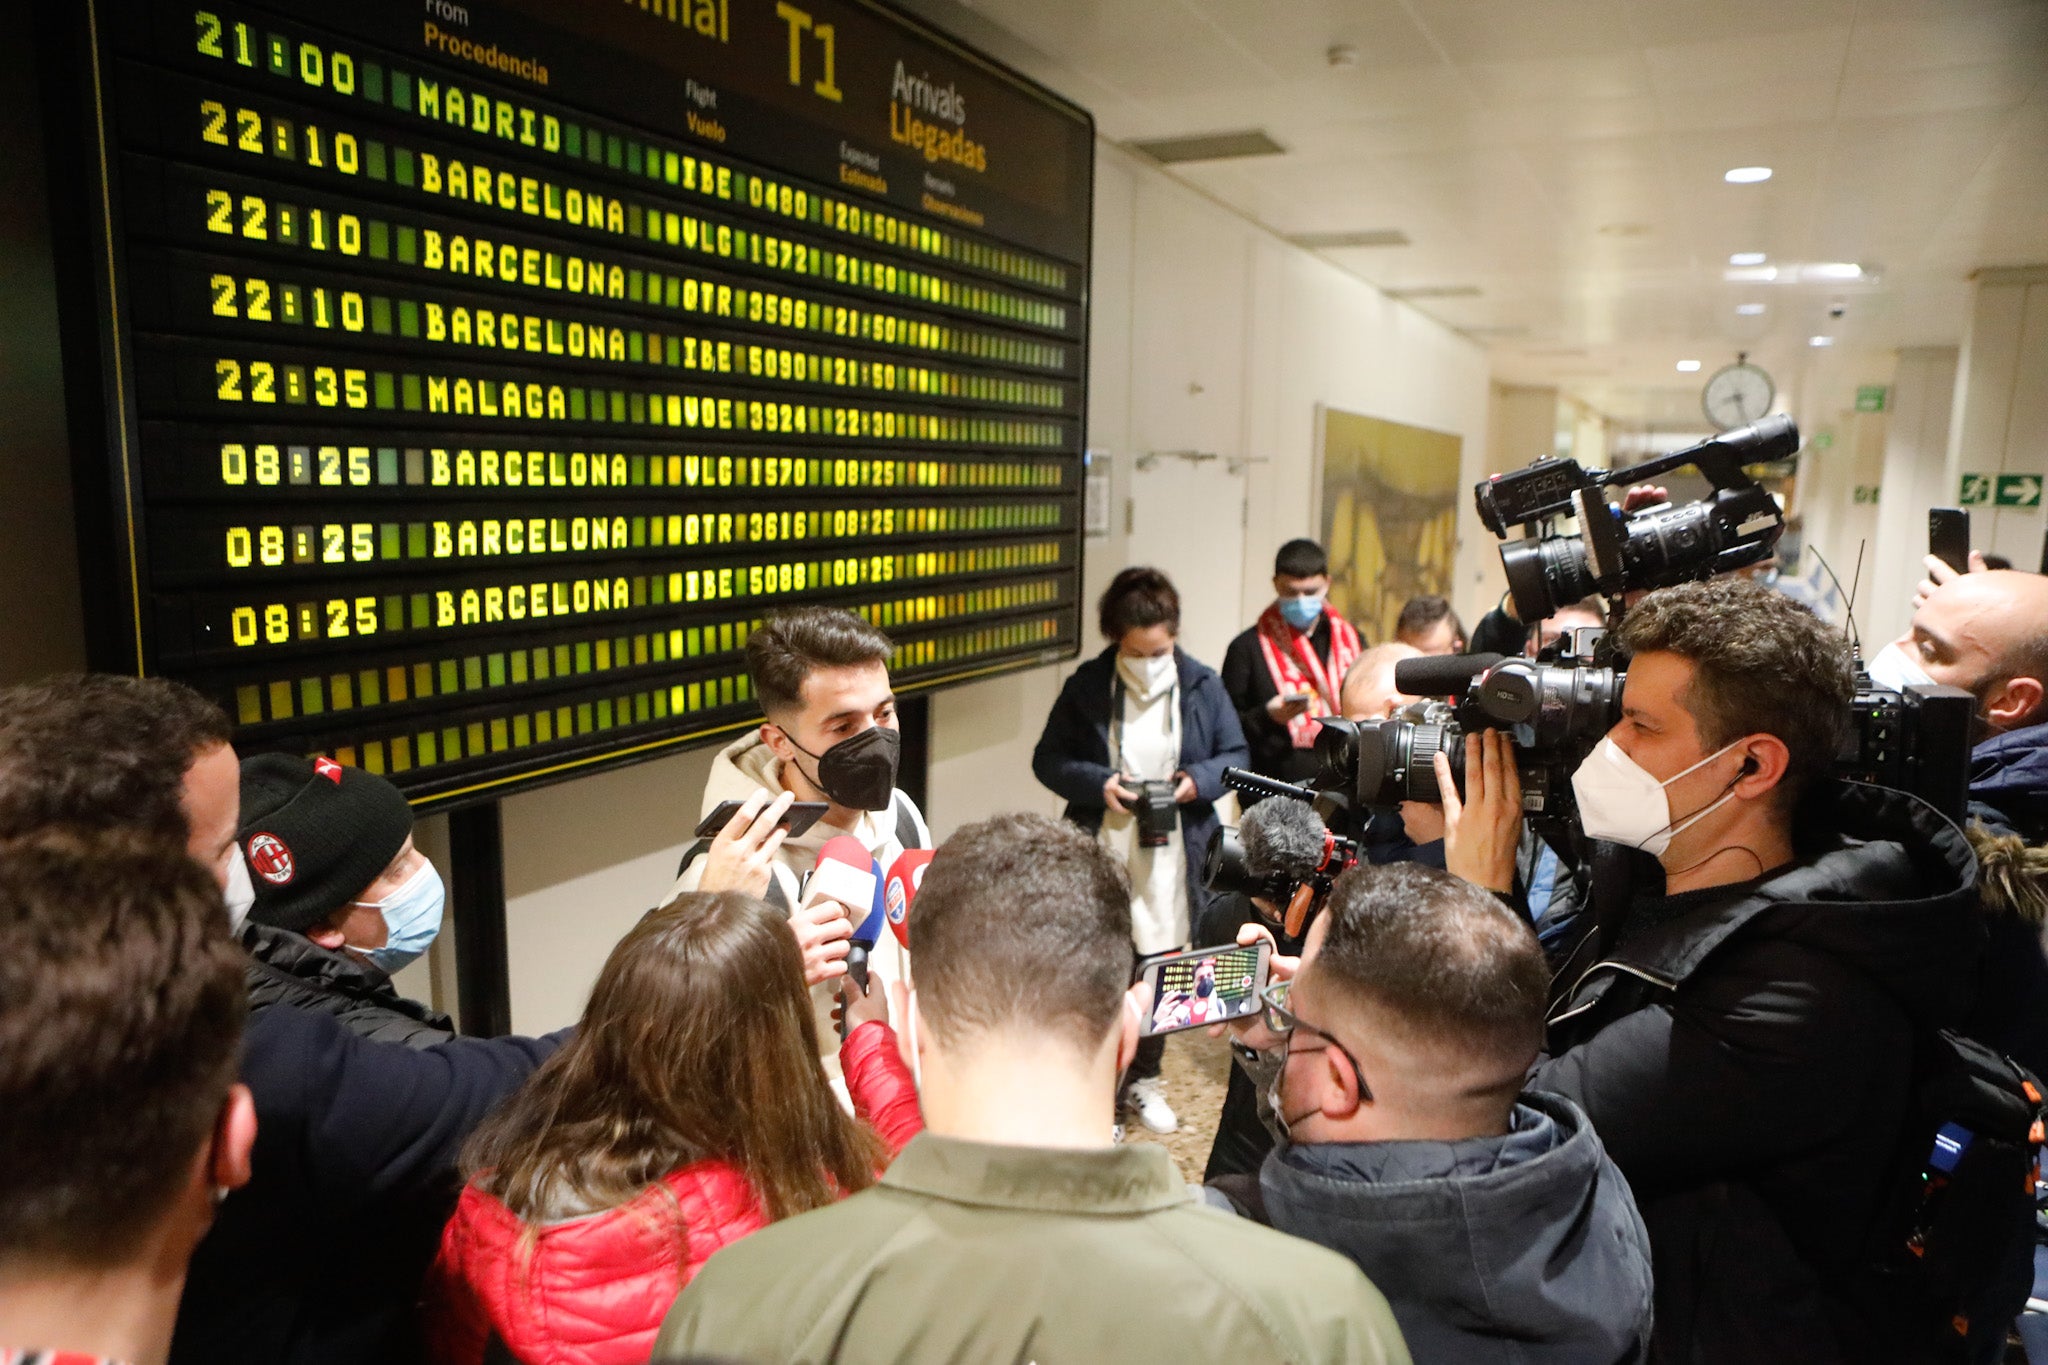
1617,552
1156,812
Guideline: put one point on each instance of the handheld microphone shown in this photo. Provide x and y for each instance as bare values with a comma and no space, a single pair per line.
906,877
1441,675
1288,840
1282,838
844,873
870,930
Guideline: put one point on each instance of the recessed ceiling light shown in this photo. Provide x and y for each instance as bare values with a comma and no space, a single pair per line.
1748,258
1749,310
1832,270
1688,366
1750,274
1747,175
1820,341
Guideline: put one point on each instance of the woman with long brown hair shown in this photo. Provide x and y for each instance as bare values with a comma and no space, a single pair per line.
689,1110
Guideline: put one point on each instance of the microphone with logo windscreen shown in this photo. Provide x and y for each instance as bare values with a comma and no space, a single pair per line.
1441,675
906,875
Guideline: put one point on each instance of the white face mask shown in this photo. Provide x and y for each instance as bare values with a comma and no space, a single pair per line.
240,893
1147,677
1896,670
1622,804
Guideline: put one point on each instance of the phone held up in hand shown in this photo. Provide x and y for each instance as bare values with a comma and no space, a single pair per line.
1948,536
1204,986
798,819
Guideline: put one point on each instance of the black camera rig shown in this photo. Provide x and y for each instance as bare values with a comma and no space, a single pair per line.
1616,552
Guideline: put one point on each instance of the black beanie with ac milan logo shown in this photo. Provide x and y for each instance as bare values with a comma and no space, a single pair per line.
315,835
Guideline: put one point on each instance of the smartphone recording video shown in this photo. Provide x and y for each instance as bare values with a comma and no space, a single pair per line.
1205,986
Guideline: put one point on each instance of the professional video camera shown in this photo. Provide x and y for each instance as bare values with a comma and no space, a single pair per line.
1916,741
1617,552
1555,712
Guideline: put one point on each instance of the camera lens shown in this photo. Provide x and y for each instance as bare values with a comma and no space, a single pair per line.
1545,574
1394,760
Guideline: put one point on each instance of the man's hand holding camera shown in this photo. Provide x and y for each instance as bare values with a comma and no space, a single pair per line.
1483,828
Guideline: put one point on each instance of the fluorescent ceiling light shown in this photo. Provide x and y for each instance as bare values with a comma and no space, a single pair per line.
1748,258
1341,241
1751,274
1688,366
1747,175
1820,341
1170,151
1832,270
1434,291
1749,310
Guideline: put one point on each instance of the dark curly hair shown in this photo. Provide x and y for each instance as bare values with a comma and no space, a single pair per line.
1764,665
1136,598
101,751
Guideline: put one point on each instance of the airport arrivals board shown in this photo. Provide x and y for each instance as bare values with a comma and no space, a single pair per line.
476,376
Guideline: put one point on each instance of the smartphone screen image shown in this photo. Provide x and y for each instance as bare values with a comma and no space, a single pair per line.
1206,986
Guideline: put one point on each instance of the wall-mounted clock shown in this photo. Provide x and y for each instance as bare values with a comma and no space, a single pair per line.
1737,395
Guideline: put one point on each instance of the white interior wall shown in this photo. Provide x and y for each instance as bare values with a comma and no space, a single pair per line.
1915,479
1207,333
2000,424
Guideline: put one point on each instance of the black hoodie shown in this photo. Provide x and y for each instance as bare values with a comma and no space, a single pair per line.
1746,1057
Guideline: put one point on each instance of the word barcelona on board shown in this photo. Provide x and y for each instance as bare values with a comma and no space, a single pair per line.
473,381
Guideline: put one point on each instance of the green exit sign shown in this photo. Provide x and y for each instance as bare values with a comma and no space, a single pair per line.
1870,398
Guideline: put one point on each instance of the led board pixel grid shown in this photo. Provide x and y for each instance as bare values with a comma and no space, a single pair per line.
476,376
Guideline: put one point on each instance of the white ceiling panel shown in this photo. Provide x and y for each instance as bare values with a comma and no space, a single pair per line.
1565,157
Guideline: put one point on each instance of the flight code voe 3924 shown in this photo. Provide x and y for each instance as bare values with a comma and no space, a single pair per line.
477,430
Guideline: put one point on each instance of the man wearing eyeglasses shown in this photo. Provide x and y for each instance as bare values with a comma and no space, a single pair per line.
1397,1049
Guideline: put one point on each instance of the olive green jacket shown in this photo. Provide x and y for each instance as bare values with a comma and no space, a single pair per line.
969,1251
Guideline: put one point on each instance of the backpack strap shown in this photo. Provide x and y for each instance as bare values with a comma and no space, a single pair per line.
906,823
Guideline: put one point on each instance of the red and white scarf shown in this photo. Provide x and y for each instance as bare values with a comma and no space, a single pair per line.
1291,661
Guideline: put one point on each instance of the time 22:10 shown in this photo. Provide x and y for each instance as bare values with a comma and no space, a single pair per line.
257,300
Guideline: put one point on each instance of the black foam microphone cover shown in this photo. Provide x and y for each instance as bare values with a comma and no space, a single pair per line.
1441,675
1282,836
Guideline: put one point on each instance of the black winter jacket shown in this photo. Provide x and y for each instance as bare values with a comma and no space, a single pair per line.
1072,757
1745,1055
290,969
1520,1248
319,1259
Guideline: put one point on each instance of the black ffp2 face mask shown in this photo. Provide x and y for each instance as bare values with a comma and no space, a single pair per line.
859,773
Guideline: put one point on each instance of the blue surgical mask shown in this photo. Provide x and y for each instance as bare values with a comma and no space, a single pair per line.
412,918
1301,612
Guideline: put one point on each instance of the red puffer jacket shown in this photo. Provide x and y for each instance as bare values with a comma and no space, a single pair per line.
593,1290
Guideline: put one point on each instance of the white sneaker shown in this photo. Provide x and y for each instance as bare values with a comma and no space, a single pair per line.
1147,1099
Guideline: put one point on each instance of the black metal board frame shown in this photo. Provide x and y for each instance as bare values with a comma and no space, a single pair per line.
362,389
